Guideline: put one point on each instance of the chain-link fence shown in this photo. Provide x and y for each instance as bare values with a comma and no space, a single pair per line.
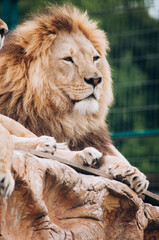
133,32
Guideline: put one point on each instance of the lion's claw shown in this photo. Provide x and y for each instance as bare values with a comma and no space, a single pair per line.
6,184
133,178
46,144
89,156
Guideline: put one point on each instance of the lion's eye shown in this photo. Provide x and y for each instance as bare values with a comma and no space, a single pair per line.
95,58
68,59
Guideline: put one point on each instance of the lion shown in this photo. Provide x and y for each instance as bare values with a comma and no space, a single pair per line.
55,80
13,134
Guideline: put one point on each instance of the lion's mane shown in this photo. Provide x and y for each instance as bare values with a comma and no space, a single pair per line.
25,94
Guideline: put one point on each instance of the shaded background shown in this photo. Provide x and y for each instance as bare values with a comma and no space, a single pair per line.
132,27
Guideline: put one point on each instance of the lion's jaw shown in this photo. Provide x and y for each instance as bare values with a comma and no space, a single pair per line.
89,106
73,61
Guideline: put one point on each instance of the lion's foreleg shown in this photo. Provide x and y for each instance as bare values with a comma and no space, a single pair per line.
42,144
87,156
14,127
117,166
6,154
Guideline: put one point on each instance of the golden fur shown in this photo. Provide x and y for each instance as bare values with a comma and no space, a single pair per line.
33,96
13,134
56,81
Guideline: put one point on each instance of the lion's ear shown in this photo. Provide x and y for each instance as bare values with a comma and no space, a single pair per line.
35,39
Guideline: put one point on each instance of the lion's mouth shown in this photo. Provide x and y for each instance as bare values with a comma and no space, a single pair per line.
89,97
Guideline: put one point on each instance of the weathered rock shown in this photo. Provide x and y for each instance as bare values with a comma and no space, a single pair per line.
53,201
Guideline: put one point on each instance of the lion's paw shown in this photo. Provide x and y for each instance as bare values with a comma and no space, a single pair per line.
133,178
6,184
46,144
90,156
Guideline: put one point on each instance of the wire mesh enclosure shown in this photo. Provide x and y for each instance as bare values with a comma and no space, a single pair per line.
133,32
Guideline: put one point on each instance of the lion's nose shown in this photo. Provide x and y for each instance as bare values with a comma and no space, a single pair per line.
93,80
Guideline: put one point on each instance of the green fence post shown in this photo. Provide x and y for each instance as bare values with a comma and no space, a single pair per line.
10,12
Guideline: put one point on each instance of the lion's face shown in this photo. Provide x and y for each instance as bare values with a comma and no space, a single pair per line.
77,70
